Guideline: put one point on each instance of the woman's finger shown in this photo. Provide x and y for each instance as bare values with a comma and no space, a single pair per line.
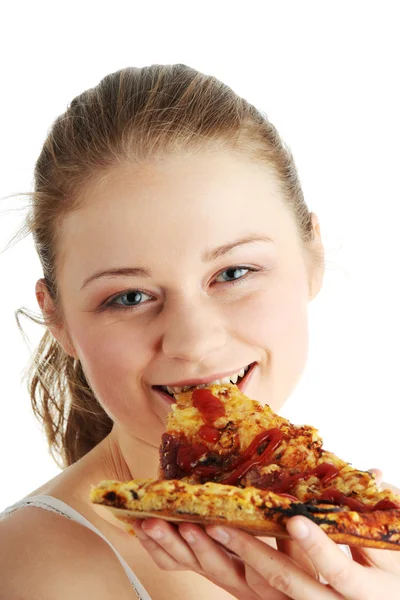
277,570
217,564
261,588
338,569
175,550
297,554
162,557
387,560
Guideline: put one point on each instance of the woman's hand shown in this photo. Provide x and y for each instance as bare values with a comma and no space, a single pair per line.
190,548
249,569
176,551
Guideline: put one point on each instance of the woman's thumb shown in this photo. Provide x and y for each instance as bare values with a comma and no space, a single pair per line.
378,475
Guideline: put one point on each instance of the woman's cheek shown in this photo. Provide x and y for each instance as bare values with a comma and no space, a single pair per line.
109,359
269,317
277,322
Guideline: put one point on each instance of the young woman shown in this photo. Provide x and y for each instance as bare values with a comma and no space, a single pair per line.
176,246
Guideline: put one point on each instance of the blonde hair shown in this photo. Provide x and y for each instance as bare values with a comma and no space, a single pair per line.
129,118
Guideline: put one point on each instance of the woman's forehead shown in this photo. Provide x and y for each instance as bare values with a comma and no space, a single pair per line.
187,208
192,191
180,180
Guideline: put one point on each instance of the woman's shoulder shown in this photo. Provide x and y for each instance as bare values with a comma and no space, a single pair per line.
44,554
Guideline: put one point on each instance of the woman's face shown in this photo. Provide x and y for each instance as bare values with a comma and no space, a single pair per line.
189,301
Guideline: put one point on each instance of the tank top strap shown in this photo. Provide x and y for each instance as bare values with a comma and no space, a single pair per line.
61,508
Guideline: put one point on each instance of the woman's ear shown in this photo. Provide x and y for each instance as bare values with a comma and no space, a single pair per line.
57,330
317,259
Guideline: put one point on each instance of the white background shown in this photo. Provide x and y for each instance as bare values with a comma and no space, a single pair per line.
326,74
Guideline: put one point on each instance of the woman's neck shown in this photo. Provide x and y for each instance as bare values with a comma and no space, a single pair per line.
122,457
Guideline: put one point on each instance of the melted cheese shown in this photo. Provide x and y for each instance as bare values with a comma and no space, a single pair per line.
301,447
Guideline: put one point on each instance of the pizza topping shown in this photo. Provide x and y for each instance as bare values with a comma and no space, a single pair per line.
335,497
326,472
386,504
290,497
210,407
286,483
188,456
170,445
193,458
273,438
269,438
213,461
205,471
208,433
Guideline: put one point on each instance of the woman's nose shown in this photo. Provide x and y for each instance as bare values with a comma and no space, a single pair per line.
192,333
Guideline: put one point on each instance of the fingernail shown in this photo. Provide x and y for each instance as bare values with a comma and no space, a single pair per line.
299,529
155,534
220,535
189,537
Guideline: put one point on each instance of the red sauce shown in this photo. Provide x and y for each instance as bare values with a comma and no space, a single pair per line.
209,434
210,407
239,473
205,471
284,485
188,456
259,440
289,496
335,497
385,504
326,472
273,436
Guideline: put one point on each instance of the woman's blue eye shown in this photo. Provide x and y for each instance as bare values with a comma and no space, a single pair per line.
234,273
134,298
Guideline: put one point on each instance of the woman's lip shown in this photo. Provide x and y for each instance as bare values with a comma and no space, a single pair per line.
165,395
194,382
241,385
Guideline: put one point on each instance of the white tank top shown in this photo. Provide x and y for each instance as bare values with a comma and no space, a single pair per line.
57,506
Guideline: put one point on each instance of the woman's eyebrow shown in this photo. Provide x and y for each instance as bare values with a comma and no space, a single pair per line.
210,255
117,272
207,256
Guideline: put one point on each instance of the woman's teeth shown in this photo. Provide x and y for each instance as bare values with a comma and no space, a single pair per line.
230,379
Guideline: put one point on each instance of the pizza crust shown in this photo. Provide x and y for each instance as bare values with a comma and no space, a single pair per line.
259,512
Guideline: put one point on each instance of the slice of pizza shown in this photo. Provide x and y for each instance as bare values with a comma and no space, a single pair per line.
227,459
